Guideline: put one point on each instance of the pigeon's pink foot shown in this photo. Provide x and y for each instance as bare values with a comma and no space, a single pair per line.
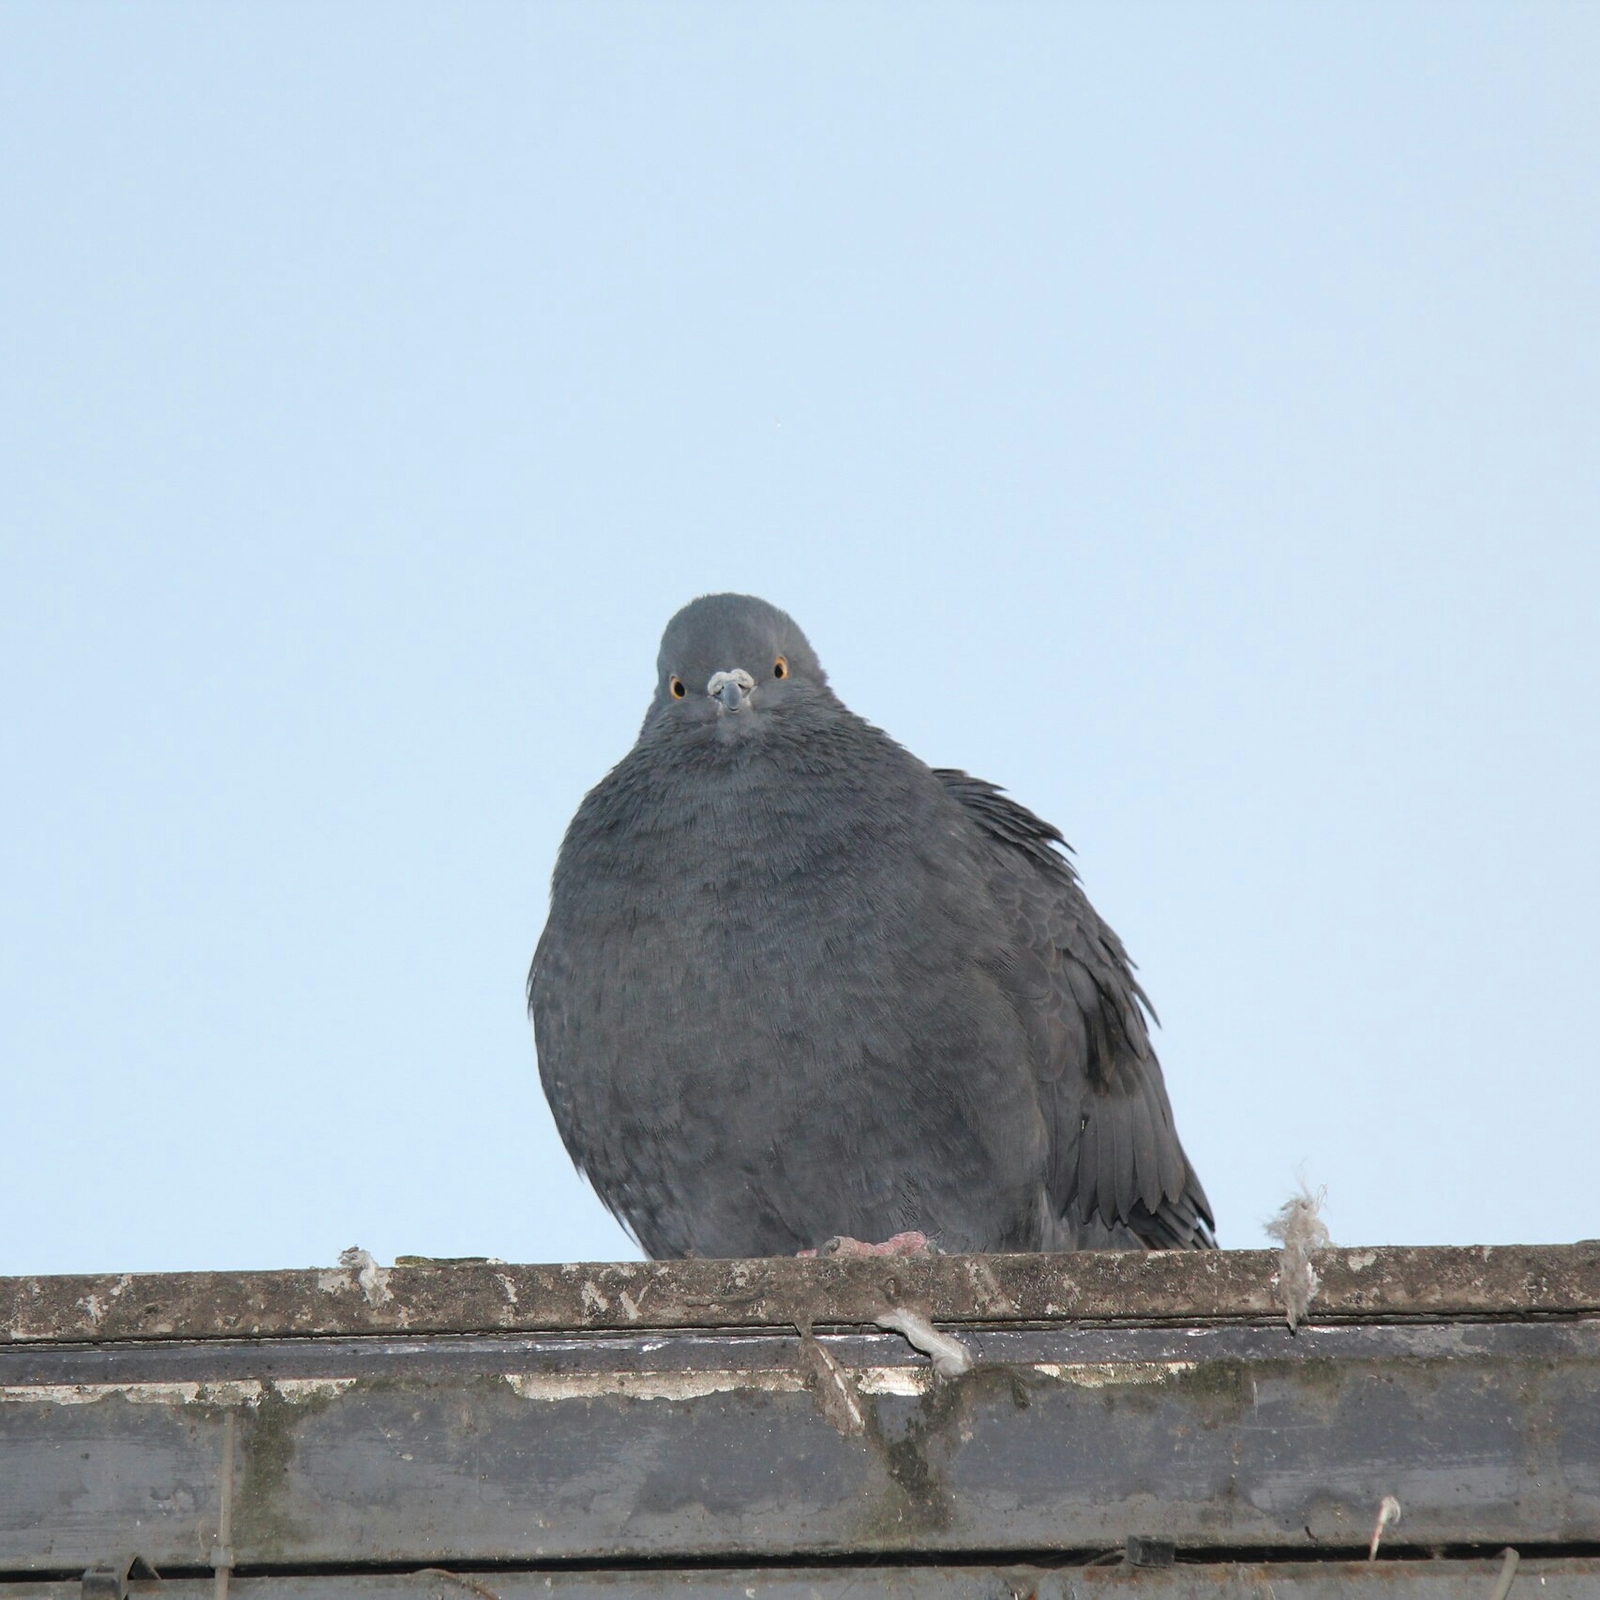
902,1244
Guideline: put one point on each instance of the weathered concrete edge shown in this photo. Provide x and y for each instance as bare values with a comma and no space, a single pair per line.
1376,1285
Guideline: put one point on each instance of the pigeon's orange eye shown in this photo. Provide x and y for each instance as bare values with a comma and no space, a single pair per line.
780,667
678,690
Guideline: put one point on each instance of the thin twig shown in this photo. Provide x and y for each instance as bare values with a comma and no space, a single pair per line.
1388,1511
1508,1572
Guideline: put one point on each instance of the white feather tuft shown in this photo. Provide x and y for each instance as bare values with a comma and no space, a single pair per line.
1299,1228
374,1280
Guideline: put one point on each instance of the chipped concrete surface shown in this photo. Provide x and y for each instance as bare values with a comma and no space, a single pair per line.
240,1392
911,1382
664,1384
1103,1374
1193,1287
649,1385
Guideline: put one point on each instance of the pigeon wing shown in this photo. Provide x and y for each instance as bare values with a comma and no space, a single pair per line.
1118,1174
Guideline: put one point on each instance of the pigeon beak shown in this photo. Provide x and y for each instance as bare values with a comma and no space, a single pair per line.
731,689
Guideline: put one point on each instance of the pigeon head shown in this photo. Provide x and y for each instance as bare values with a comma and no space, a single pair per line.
728,660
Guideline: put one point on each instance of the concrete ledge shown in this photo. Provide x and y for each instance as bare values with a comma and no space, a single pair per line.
1190,1288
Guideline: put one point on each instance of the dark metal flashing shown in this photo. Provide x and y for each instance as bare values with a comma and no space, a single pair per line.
1179,1287
1385,1580
749,1428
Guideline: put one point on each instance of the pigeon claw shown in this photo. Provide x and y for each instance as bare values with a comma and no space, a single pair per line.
912,1243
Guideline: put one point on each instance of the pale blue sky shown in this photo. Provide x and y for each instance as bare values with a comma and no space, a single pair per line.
1185,416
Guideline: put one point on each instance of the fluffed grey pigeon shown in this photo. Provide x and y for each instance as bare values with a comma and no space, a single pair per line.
796,985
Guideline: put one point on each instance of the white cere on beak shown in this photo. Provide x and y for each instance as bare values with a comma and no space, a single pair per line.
731,688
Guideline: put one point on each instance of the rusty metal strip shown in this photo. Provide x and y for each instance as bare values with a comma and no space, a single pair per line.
1548,1579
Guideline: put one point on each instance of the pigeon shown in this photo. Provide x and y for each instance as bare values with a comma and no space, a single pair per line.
796,988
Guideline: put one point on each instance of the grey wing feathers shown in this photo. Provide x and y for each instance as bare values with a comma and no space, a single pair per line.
1118,1174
